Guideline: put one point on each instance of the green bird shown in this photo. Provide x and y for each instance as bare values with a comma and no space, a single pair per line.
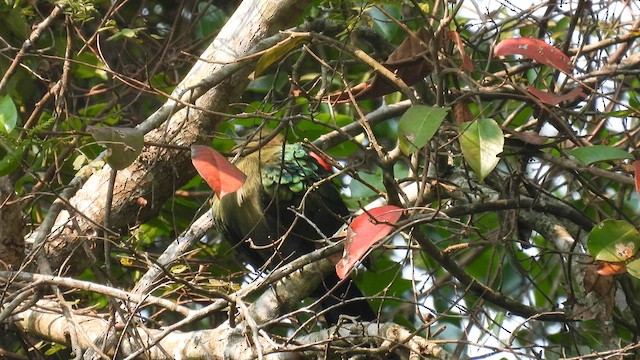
260,219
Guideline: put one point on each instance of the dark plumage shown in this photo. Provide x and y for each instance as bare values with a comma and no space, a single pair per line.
259,214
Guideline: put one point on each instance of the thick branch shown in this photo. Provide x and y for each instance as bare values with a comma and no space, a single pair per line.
157,172
226,342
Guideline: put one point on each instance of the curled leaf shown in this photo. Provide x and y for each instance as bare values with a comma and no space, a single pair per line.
363,232
221,175
277,52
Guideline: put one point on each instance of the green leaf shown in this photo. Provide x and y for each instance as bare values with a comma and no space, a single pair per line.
125,33
613,241
633,268
481,142
418,125
124,144
14,23
335,119
591,154
8,114
381,19
277,52
179,269
55,348
384,276
10,162
211,21
88,66
619,113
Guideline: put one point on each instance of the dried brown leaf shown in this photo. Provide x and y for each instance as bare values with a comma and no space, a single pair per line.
603,287
461,112
408,62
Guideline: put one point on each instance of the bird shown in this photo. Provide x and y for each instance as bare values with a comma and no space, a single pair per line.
262,218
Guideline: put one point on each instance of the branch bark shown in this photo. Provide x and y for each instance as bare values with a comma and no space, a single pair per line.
12,229
226,342
157,172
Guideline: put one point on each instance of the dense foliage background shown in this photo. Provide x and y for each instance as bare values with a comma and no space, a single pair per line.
486,263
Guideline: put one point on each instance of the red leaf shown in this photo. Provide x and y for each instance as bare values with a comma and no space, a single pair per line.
364,231
535,49
611,268
221,175
555,99
636,175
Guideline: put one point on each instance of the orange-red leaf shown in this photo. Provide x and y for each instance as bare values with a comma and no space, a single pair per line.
636,175
221,175
535,49
555,99
364,231
467,64
611,268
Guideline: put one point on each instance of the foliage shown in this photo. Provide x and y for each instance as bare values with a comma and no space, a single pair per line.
504,136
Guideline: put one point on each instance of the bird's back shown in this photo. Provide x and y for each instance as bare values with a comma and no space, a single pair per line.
280,211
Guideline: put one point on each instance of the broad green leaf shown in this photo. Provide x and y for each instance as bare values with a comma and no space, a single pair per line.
481,142
613,241
591,154
88,66
212,20
10,162
8,114
418,125
381,20
277,52
386,277
124,144
633,268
